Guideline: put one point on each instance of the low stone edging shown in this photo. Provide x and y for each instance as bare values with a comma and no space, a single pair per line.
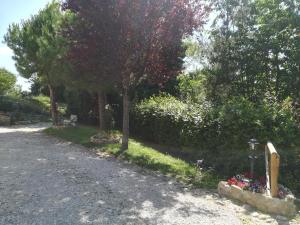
285,207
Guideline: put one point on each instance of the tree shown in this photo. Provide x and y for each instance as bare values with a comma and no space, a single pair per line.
91,54
7,81
39,49
76,82
255,50
135,40
278,32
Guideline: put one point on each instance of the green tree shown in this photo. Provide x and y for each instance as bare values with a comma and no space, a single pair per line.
81,83
134,40
7,81
192,87
255,50
278,23
39,49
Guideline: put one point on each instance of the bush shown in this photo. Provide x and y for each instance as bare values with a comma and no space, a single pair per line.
7,81
220,134
166,120
22,108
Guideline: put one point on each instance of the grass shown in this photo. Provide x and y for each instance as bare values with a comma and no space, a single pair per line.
44,101
141,155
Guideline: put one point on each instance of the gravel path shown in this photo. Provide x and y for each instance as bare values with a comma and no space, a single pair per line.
46,181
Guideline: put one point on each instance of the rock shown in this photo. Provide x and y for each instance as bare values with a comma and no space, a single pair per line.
247,207
281,218
285,207
255,214
220,203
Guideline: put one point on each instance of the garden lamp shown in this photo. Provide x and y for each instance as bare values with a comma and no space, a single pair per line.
252,144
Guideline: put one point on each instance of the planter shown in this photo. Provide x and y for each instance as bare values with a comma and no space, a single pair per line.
104,138
285,207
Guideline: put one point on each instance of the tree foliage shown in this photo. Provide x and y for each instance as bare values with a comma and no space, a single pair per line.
39,48
255,50
7,81
130,40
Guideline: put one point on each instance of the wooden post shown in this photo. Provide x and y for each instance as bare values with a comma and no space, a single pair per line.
275,159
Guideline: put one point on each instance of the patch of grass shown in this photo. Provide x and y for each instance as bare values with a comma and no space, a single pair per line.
141,155
44,101
79,135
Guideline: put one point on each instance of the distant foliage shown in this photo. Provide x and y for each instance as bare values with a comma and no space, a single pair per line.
7,81
22,104
24,108
192,87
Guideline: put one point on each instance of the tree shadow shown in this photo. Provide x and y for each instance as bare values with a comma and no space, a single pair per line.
49,182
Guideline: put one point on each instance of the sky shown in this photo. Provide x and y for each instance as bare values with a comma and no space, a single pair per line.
14,11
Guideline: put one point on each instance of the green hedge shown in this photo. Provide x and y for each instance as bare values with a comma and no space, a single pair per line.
220,134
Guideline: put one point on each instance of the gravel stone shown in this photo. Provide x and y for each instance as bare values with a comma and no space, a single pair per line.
45,181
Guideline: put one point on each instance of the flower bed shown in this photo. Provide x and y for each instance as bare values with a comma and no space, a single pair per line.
257,185
252,191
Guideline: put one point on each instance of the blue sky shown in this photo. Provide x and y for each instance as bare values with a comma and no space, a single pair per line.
13,11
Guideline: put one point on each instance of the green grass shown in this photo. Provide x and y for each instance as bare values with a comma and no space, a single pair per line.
141,155
44,101
79,135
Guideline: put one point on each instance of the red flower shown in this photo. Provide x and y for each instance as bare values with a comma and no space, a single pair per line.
232,181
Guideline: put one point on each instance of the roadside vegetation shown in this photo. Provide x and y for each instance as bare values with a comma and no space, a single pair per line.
20,106
141,155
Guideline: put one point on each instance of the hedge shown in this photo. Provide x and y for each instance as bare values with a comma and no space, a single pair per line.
220,134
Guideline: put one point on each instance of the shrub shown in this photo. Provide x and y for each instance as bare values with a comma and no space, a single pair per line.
219,134
7,81
22,108
166,120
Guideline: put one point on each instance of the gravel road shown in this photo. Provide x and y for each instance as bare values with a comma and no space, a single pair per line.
47,181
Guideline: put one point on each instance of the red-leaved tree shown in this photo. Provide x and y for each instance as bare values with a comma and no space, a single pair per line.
124,41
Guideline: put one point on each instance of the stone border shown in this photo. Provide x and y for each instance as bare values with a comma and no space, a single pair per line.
285,207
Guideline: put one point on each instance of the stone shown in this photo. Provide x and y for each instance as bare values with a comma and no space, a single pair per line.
282,218
220,203
247,207
284,207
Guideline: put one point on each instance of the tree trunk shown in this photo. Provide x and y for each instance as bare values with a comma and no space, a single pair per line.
101,110
277,76
125,119
54,111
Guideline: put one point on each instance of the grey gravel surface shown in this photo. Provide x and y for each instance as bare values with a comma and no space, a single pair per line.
44,180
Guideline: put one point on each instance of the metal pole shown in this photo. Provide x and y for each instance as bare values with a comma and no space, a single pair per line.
252,166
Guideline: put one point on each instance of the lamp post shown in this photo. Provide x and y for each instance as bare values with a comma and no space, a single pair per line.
252,144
